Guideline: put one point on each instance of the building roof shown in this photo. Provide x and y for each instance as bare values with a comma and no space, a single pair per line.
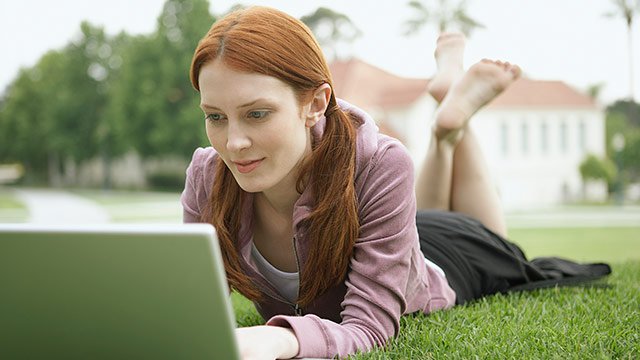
529,93
370,87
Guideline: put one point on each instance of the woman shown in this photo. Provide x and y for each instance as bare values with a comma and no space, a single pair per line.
316,211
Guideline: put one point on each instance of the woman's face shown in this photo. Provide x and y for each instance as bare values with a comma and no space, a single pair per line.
256,125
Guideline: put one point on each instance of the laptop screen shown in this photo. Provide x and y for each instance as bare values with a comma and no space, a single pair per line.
113,292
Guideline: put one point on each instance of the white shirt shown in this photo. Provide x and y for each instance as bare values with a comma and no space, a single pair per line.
287,283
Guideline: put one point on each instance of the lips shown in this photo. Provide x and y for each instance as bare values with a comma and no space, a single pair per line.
245,167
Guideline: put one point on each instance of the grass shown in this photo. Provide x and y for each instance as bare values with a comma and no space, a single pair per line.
137,206
613,244
11,209
119,197
567,323
597,322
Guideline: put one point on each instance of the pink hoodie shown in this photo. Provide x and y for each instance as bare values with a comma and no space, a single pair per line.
387,275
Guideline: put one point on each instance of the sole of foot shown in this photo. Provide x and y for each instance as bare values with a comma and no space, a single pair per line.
478,86
449,55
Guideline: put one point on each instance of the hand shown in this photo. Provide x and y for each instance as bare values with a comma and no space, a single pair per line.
266,343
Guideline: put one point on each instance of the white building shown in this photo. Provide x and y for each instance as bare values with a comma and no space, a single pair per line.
534,135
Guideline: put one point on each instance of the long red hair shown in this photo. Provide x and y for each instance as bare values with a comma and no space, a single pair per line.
270,42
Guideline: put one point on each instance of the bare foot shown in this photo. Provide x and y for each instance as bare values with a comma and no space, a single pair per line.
479,85
448,54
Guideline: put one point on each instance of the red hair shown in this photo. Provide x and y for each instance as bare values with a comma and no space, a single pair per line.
269,42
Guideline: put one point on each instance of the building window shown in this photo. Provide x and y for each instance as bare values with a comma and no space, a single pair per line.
524,137
544,137
563,137
504,138
582,136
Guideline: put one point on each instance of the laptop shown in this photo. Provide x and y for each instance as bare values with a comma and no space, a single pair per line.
113,292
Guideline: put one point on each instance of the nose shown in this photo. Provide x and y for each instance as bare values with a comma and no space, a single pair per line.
237,137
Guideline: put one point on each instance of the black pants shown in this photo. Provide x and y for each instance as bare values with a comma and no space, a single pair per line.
478,262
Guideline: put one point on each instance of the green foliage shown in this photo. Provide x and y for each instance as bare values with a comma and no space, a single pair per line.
331,28
54,112
166,180
20,123
593,168
445,15
628,110
627,10
101,96
153,98
623,119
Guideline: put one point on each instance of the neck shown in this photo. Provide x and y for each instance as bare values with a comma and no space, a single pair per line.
278,202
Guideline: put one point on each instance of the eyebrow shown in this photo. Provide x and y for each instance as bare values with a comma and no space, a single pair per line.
251,103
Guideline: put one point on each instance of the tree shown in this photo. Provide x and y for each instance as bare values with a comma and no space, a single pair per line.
153,96
446,15
331,29
94,58
627,9
623,121
593,168
54,109
100,96
595,90
22,130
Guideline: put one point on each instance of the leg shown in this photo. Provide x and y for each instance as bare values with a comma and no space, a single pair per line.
454,176
448,54
433,187
474,190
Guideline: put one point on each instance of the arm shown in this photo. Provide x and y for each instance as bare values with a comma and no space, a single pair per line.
266,342
380,269
198,182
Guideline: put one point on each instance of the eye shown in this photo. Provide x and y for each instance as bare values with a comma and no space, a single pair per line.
215,117
258,114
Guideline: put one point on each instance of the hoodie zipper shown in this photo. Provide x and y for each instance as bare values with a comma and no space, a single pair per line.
296,308
298,311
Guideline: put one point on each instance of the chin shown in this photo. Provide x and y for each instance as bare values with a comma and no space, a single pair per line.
250,186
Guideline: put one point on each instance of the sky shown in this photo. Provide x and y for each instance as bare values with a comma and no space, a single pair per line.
567,40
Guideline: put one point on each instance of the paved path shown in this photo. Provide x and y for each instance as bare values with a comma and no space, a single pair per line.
60,207
582,216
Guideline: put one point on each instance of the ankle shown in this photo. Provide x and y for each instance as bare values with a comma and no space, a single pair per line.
445,139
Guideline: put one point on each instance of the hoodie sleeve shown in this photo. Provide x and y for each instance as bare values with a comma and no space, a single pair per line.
198,182
379,271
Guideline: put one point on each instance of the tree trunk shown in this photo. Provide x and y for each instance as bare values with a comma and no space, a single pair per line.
70,172
55,178
106,166
631,79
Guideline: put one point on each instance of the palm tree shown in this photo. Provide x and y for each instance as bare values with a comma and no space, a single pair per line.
627,9
446,14
331,29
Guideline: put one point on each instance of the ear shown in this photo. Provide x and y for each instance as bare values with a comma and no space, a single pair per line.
318,104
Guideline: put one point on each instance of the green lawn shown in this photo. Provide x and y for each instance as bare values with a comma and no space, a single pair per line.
596,322
11,209
137,206
560,323
565,323
613,244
